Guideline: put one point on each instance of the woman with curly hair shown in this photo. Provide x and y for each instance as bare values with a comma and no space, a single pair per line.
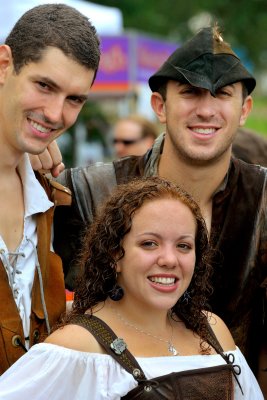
140,326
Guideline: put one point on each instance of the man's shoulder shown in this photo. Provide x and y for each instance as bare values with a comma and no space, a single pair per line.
130,167
250,147
248,168
252,177
105,173
82,175
97,176
90,186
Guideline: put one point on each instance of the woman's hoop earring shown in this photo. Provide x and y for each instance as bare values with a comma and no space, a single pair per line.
116,293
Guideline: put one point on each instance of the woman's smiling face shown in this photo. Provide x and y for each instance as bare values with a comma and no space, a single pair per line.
159,259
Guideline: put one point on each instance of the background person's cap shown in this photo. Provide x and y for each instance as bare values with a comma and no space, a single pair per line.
205,61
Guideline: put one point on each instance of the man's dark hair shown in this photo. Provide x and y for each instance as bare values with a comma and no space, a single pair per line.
55,25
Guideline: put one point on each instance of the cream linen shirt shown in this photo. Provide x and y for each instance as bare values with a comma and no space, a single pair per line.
20,267
48,371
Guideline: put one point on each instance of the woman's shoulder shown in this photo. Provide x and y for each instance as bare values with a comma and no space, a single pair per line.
221,331
75,337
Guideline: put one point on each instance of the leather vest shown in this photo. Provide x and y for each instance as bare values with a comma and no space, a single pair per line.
212,383
11,329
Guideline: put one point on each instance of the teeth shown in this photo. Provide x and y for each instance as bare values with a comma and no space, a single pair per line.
204,131
162,280
40,127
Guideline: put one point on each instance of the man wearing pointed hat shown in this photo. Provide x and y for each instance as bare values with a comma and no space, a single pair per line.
206,61
202,96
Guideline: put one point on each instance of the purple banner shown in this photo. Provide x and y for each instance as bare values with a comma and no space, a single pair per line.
151,54
129,59
114,60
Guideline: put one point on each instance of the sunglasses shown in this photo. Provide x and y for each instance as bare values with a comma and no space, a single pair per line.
126,142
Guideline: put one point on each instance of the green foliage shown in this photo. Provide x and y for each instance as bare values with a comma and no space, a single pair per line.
244,21
95,121
257,120
96,124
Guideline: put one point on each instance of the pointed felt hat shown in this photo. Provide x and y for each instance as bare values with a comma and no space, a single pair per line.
205,61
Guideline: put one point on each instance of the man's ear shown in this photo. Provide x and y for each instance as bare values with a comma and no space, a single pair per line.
158,105
5,61
246,109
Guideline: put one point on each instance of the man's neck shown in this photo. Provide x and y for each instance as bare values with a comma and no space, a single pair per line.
9,159
201,181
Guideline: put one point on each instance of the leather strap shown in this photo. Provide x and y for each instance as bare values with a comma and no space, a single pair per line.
105,336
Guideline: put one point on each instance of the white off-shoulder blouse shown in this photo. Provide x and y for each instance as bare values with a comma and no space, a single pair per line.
50,372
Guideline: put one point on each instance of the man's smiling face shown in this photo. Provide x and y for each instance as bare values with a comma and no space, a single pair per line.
42,101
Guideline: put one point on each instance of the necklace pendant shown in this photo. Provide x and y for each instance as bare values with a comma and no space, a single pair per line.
172,349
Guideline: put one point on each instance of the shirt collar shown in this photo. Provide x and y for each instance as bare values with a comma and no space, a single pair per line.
152,164
35,197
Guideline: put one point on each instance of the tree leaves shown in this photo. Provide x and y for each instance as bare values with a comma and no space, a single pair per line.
243,22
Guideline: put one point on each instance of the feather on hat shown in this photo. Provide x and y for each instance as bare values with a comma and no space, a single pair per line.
205,61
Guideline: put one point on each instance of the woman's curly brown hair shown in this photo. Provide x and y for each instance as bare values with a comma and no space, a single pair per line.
102,247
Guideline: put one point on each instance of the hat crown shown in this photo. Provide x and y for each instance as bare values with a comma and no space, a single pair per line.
207,41
205,61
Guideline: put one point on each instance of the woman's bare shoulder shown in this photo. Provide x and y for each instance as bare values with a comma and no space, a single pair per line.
221,331
75,337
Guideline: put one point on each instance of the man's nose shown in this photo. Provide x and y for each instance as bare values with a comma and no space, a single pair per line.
206,105
54,111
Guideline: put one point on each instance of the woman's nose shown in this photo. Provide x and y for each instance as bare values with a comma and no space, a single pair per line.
168,258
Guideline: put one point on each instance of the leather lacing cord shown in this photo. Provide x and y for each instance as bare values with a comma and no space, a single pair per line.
228,358
236,369
12,270
41,286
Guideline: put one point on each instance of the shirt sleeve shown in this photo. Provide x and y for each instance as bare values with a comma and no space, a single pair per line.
48,371
247,380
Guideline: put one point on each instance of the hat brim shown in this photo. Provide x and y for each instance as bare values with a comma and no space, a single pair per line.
208,74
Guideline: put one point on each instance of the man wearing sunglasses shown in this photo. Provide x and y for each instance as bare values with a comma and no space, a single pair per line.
133,135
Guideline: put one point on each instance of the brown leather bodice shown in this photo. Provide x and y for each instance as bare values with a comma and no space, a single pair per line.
213,383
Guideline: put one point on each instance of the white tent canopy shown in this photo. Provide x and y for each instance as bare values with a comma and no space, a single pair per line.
107,20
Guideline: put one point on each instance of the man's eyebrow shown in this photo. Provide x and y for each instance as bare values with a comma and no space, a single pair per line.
53,84
82,97
231,85
47,80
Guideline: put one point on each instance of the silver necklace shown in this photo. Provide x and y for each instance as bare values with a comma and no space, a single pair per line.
170,347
